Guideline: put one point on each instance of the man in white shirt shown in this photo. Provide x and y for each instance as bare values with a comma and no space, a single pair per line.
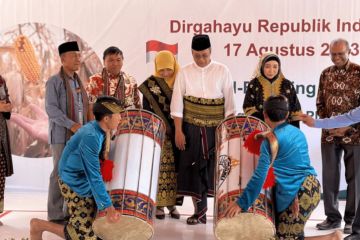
203,96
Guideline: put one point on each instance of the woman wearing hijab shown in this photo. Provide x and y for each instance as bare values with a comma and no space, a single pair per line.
157,91
269,81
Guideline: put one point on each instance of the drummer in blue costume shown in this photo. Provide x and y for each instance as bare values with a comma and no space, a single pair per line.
297,190
80,179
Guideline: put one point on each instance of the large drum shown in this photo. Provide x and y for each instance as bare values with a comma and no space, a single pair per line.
136,154
234,168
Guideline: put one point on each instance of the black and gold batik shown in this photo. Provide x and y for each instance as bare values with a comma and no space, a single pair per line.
197,161
289,227
156,99
260,89
82,212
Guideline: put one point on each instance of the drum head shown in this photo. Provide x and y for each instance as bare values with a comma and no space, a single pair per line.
126,228
245,226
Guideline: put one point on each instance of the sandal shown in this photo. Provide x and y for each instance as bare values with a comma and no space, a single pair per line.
173,212
160,214
195,219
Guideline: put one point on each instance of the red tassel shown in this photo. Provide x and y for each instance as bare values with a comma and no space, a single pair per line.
252,144
106,167
270,179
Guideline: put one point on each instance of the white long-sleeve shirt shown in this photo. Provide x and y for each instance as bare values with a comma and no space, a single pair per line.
210,82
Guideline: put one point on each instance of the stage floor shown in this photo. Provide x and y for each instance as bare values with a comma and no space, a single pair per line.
20,207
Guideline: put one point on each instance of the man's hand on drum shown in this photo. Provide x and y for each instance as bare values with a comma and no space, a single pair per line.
180,140
233,210
112,215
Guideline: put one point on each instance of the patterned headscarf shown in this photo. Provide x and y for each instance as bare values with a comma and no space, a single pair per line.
163,60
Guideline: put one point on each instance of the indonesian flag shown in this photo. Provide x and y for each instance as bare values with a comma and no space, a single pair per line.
154,46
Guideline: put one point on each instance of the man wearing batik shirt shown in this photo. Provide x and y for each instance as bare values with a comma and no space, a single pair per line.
113,82
203,96
339,92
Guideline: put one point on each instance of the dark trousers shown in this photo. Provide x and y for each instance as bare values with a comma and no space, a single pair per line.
356,224
331,165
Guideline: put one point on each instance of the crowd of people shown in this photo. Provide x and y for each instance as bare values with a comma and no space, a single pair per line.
192,100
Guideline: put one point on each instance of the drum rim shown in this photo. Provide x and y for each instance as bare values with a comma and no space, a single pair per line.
126,217
162,124
266,220
241,116
218,131
143,110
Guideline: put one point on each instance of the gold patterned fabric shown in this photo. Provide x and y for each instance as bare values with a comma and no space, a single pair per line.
261,88
166,195
289,227
203,112
156,98
82,212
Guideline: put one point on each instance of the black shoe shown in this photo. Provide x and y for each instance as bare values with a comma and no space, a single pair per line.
160,214
173,212
353,236
348,228
326,225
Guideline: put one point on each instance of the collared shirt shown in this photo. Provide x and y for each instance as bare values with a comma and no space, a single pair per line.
291,167
95,88
339,92
343,120
55,106
79,166
210,82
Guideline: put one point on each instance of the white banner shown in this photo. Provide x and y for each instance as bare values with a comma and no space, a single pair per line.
299,31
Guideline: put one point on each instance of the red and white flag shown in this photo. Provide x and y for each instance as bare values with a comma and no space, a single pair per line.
154,46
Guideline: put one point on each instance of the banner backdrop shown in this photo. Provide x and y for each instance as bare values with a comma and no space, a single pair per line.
299,31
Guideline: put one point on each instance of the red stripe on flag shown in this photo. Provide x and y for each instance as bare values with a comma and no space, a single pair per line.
154,45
